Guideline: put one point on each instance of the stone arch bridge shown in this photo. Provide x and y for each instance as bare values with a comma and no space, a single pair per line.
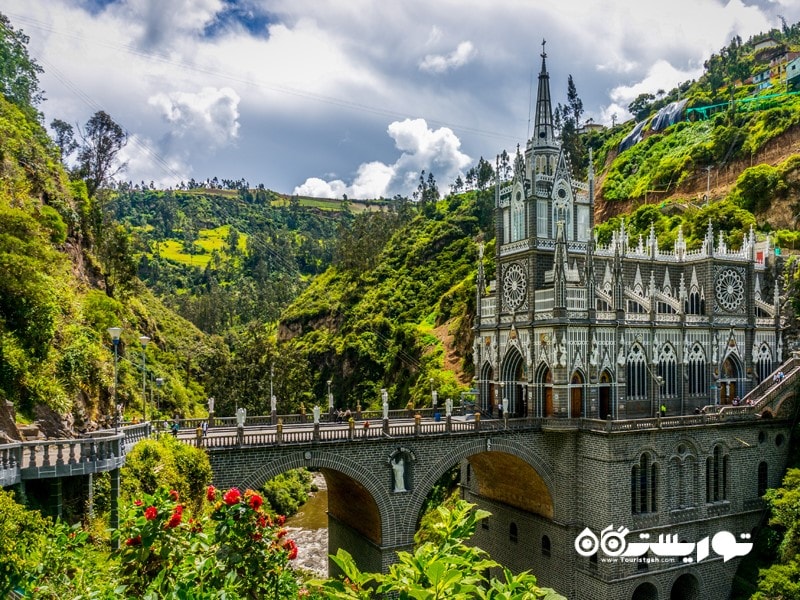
544,481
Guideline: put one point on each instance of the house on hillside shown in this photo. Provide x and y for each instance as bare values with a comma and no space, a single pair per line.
793,75
761,80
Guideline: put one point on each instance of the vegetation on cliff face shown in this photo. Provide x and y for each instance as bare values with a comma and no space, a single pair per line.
65,278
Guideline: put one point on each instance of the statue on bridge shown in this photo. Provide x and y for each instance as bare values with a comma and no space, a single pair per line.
241,415
399,468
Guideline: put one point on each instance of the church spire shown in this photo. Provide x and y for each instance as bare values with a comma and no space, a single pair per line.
543,128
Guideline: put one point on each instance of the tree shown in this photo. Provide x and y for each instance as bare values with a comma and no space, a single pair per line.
640,107
484,174
21,535
64,138
102,140
19,81
570,118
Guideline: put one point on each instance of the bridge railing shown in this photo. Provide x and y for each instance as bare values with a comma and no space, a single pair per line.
10,459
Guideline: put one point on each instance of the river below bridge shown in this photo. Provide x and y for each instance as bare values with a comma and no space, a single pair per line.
309,528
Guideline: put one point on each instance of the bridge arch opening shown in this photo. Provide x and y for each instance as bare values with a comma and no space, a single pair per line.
515,489
509,480
355,520
686,587
645,591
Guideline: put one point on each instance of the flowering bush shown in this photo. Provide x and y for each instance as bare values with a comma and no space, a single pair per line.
240,551
154,541
251,545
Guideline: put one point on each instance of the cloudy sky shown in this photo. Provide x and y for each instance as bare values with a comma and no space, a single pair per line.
325,97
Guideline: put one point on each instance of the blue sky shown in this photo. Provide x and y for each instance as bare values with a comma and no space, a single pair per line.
327,97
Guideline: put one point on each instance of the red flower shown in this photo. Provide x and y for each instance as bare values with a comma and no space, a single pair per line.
255,501
211,493
137,502
174,495
281,520
257,536
150,513
281,533
291,547
232,496
137,541
176,517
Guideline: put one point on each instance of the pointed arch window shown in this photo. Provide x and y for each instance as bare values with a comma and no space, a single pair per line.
764,362
695,304
517,217
717,467
668,371
542,230
697,371
644,485
636,373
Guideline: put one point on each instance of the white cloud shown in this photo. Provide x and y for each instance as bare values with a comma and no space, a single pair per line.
661,76
319,188
422,148
145,162
436,63
158,22
210,115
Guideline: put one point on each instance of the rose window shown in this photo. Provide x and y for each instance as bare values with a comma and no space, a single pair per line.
730,289
514,286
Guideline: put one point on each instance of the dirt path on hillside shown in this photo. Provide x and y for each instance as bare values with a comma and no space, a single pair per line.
452,360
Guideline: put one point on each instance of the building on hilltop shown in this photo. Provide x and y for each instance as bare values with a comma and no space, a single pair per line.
575,329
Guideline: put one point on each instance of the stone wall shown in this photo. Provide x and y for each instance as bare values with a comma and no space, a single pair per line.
580,478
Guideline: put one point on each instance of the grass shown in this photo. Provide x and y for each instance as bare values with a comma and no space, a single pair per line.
208,241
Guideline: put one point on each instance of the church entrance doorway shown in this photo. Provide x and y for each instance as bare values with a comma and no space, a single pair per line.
544,389
730,380
486,390
513,378
576,396
604,392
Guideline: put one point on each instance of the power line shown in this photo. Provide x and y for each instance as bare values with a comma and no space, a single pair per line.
325,99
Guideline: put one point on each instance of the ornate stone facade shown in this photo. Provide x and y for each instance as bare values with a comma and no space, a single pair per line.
574,329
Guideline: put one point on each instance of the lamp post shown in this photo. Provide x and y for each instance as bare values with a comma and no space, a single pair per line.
115,332
144,341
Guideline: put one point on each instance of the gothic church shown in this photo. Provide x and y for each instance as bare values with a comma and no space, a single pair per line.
574,329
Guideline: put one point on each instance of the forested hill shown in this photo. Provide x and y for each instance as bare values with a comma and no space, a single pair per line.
224,258
66,276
